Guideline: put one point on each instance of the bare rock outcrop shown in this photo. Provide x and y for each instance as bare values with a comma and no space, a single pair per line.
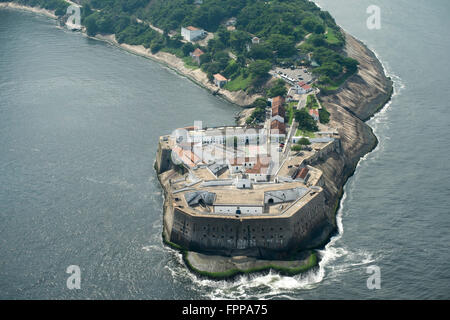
358,100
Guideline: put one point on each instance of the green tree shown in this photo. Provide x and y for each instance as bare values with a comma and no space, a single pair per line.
296,147
260,103
187,48
283,45
279,89
260,68
238,40
260,52
91,26
324,115
304,141
222,59
205,58
305,121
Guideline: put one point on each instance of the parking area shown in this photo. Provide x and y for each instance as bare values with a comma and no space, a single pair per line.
293,75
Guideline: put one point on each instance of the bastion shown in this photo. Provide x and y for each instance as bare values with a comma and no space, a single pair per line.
246,200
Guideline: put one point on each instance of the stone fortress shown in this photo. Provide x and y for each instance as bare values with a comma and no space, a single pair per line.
241,191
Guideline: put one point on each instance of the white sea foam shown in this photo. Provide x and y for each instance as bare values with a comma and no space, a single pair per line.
153,248
335,259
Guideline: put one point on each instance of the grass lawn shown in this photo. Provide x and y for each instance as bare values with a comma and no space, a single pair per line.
178,52
290,112
335,85
311,102
301,133
239,83
189,63
332,38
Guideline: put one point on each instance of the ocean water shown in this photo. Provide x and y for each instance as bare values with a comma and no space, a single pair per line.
79,123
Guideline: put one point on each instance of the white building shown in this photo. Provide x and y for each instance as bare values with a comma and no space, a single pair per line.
233,209
236,165
192,33
228,134
220,80
243,183
301,88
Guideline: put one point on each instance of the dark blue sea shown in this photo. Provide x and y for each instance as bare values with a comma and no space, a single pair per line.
79,123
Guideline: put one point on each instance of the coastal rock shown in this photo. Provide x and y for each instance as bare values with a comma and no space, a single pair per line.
358,100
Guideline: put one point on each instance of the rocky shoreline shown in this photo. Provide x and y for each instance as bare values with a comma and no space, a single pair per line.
16,6
169,60
239,98
358,100
363,95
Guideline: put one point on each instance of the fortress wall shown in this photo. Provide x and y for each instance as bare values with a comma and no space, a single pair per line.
262,237
333,146
163,159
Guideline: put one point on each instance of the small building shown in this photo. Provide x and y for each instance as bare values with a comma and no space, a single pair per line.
241,164
315,114
260,171
255,40
243,183
196,55
231,22
301,88
277,125
303,174
192,33
220,80
198,2
278,113
277,131
277,101
237,209
315,64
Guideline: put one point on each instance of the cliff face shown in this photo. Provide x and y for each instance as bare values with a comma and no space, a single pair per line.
359,99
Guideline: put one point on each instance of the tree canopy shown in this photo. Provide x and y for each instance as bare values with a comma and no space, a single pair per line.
280,25
305,121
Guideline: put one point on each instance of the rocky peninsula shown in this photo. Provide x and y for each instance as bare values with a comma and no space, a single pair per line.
357,99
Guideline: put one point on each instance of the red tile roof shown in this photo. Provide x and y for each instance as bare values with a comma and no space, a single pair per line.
220,77
241,160
306,87
191,28
314,112
302,174
281,127
189,158
278,111
197,52
277,101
